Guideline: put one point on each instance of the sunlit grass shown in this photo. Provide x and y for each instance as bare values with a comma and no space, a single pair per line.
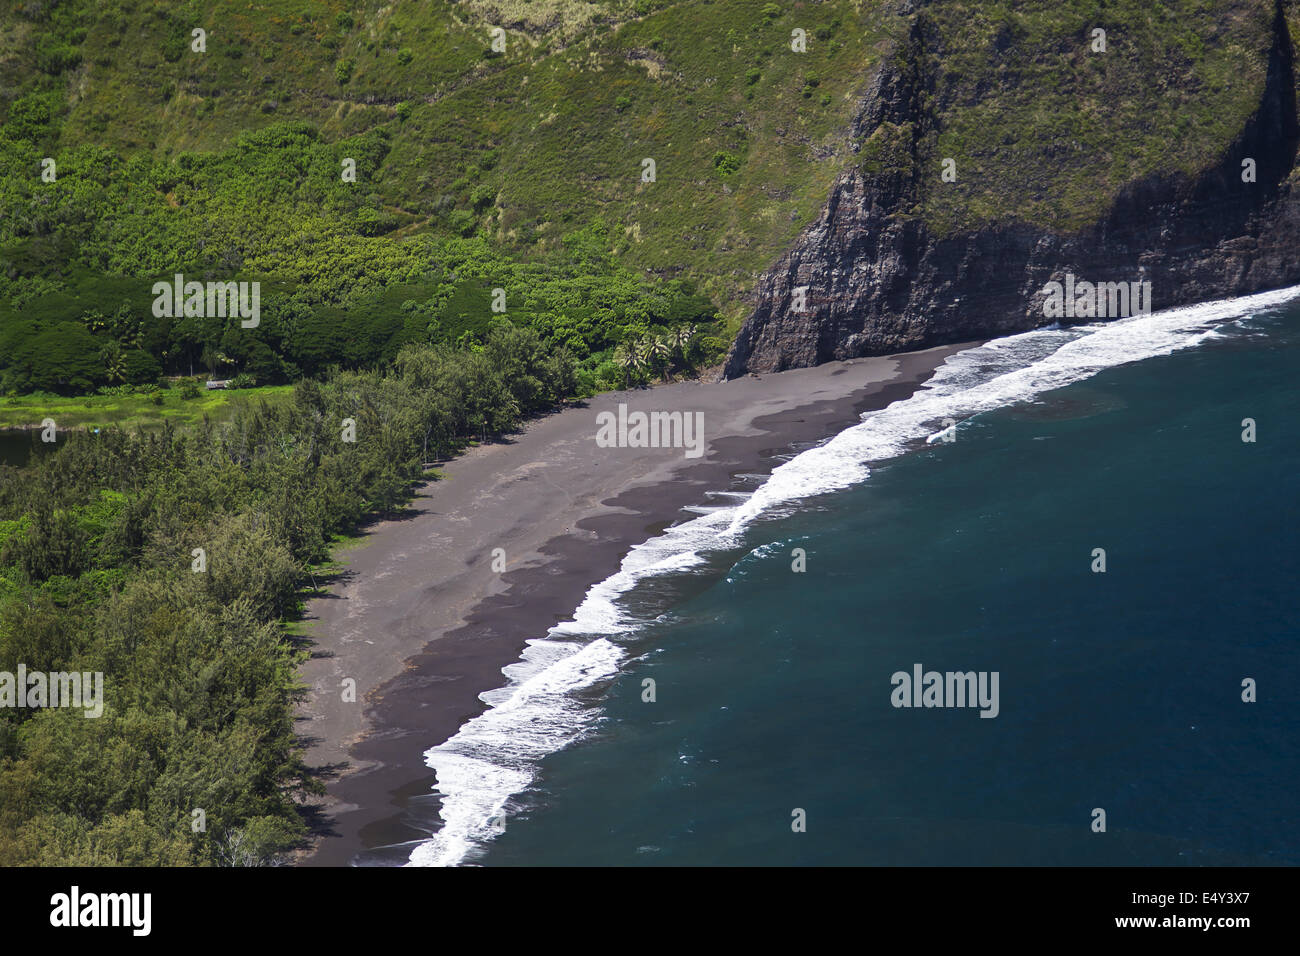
129,411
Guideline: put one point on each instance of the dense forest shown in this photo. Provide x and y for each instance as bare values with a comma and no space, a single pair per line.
97,573
330,294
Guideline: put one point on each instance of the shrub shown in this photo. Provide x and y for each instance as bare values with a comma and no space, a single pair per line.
710,349
608,375
726,163
462,222
57,57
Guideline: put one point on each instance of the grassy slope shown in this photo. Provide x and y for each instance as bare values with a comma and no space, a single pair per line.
554,130
1046,131
567,148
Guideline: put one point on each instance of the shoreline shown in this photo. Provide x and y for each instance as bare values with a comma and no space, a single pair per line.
423,624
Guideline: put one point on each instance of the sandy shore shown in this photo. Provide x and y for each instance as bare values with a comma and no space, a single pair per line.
422,622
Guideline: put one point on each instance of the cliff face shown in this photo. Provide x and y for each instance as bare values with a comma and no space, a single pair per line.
874,277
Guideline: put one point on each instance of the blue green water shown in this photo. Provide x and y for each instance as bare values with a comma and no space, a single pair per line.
1119,690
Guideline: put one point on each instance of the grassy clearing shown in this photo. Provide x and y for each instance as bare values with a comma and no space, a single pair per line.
131,411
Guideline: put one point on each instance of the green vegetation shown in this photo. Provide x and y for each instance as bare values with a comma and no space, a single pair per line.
168,162
497,252
1047,131
96,549
134,408
1043,129
335,300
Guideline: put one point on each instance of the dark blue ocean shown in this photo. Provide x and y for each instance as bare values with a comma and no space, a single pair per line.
1120,691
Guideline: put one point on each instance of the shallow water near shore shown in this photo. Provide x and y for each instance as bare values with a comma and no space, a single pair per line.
1118,691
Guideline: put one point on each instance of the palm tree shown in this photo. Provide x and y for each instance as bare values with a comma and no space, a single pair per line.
658,352
682,337
114,362
631,358
94,321
126,327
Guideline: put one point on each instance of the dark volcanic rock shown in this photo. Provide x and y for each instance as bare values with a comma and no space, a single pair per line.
876,281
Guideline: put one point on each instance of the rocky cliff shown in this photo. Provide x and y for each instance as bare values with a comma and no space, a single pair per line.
878,271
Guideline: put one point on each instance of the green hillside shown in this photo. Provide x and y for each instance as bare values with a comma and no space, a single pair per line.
527,164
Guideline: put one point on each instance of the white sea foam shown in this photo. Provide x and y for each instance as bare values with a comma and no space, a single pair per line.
495,756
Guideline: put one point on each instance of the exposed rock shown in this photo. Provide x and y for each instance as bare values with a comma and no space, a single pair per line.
876,280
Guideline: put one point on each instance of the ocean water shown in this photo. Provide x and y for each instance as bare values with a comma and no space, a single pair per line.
1118,691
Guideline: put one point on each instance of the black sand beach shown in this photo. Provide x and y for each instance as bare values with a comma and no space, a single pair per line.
424,625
